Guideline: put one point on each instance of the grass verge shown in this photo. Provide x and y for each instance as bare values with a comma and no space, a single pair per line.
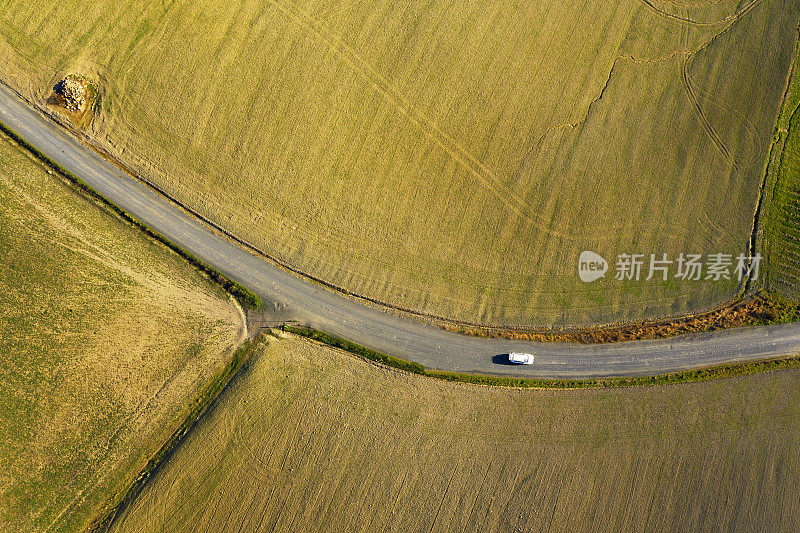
357,349
781,224
244,295
703,374
761,309
191,415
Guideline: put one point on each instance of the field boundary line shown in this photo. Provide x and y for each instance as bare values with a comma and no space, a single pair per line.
244,332
200,405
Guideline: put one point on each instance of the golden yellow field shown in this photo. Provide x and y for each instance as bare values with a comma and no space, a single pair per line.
313,439
105,338
453,159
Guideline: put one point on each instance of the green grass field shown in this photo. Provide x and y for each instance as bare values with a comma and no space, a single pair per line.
782,219
453,159
105,338
313,439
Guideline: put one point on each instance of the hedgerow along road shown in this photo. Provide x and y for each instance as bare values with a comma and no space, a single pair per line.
300,300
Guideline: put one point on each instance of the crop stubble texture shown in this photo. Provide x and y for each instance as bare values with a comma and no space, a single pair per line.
448,158
313,439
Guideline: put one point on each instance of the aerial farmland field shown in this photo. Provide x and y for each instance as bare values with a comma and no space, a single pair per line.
106,338
578,196
782,219
449,158
313,439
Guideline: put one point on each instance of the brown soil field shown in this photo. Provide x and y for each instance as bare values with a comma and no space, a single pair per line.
309,438
452,159
105,338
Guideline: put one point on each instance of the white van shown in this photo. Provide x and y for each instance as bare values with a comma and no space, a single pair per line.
519,358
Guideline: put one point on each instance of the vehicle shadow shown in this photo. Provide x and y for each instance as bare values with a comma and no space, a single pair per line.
502,359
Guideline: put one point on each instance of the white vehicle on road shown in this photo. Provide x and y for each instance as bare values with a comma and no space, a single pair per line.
519,358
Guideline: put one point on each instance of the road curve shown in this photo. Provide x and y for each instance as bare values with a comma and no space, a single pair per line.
296,298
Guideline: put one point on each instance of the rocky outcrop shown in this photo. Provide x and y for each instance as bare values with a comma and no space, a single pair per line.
74,93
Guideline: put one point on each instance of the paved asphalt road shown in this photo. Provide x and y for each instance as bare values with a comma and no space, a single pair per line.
293,297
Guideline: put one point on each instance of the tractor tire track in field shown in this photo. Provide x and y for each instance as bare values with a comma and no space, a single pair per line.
475,502
404,105
442,499
730,18
707,126
692,94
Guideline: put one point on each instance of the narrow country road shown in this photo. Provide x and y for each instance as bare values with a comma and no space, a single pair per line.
295,298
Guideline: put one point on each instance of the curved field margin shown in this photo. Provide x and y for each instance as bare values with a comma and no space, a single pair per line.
450,160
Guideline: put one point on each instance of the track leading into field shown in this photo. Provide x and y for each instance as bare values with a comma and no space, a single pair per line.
296,298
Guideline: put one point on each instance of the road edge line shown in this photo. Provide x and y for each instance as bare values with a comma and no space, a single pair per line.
242,294
727,370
